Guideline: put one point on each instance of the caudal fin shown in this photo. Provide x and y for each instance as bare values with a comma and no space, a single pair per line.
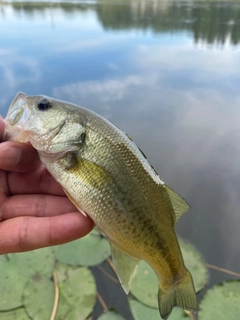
182,295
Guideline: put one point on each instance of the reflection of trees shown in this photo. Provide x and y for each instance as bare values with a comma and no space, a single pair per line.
211,22
29,8
217,23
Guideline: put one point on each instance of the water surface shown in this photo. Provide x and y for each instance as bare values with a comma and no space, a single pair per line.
166,72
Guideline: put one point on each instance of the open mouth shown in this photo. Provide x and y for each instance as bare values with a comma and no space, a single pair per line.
18,112
16,118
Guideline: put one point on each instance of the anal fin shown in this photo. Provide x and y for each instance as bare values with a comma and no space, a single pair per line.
126,267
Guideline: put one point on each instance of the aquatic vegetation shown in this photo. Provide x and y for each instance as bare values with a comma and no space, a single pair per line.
45,288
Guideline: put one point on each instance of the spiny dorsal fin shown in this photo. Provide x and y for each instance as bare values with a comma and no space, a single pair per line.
179,204
126,266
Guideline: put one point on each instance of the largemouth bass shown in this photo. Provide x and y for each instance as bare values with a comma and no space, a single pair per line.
108,178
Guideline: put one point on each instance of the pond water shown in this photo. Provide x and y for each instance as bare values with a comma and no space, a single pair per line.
166,72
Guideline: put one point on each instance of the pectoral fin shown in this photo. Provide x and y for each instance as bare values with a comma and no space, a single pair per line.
179,204
75,203
126,267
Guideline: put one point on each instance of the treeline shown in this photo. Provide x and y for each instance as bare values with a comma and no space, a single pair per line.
210,21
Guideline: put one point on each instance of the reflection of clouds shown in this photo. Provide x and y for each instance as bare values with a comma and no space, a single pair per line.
12,63
81,45
16,70
206,116
183,56
107,90
229,222
106,96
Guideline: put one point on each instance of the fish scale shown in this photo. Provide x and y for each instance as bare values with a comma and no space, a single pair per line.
115,165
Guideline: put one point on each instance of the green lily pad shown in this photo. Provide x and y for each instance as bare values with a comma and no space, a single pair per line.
36,261
145,285
143,312
16,269
111,315
147,279
221,302
87,251
195,264
11,285
18,314
77,290
38,297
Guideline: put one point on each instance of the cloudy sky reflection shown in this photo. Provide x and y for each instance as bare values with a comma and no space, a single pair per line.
178,99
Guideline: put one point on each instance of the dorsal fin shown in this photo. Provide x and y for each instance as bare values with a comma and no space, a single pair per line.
179,204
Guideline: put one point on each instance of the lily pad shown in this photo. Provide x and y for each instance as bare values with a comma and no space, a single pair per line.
111,315
143,312
36,261
77,292
38,297
145,285
195,263
11,285
18,314
90,250
147,279
16,269
221,302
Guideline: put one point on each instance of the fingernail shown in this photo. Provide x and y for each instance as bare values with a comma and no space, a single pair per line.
9,156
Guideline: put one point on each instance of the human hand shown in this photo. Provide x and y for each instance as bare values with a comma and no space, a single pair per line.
34,210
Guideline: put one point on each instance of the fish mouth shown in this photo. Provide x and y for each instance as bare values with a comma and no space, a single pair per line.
16,112
16,118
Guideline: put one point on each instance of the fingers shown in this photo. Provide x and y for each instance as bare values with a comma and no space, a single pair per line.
18,157
36,181
29,233
4,191
34,205
2,127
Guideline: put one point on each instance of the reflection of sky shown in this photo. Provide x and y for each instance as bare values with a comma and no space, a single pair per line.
179,101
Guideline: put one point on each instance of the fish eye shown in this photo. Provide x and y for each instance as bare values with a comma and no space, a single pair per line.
44,104
82,137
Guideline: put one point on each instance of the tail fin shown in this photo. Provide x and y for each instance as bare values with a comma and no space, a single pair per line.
182,295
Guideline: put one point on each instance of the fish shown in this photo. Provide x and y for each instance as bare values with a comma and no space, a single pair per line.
108,178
